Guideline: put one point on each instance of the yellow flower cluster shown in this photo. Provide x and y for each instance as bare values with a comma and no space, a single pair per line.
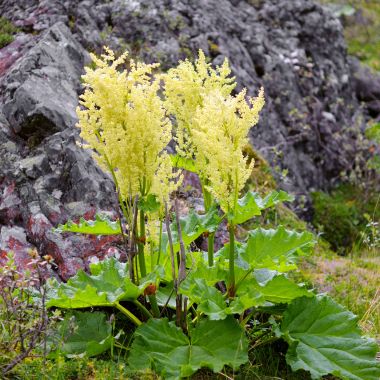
124,121
220,133
213,125
186,87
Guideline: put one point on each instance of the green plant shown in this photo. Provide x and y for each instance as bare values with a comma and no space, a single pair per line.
346,218
24,322
181,309
7,29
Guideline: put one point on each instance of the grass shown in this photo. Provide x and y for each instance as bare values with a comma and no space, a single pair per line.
362,31
364,39
352,281
7,30
76,369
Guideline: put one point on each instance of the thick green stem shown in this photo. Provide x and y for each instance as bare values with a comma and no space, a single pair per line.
231,285
141,245
128,314
154,305
143,309
210,252
125,213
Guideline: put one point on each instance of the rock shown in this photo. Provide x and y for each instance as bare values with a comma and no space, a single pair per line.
42,168
367,87
311,125
294,49
40,91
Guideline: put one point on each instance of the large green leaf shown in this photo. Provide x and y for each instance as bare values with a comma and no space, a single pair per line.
162,346
149,203
280,289
224,253
199,288
84,333
324,339
192,226
100,226
276,249
197,262
209,299
252,204
107,284
166,296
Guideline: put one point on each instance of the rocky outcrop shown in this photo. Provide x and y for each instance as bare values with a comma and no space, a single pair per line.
45,178
311,125
367,87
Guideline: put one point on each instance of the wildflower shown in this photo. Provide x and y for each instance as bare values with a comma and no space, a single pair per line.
213,125
220,134
123,120
186,87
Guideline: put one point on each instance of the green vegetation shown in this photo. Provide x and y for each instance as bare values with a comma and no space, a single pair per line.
173,311
346,216
364,39
354,282
7,30
362,28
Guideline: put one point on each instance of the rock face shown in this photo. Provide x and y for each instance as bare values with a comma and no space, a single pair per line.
311,124
45,178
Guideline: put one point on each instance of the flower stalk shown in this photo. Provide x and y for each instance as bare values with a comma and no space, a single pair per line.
231,264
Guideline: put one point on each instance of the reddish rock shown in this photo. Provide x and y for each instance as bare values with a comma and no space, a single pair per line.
9,203
13,239
12,52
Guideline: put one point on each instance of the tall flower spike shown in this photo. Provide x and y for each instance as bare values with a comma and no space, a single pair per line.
186,86
220,133
123,120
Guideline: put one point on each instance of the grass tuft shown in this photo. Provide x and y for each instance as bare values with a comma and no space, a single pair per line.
7,30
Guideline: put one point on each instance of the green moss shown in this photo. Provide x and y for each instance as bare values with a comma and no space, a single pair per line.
373,131
341,216
364,39
261,179
76,368
7,30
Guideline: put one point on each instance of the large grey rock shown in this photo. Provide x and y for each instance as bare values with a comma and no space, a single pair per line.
367,86
45,178
40,91
311,125
295,49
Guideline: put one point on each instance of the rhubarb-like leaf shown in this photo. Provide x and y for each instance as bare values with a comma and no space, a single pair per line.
166,296
280,289
83,333
149,203
324,339
209,299
107,284
193,226
250,293
276,249
100,226
162,346
252,204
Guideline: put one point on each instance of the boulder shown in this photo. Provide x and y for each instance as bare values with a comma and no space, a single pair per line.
310,130
367,86
45,177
